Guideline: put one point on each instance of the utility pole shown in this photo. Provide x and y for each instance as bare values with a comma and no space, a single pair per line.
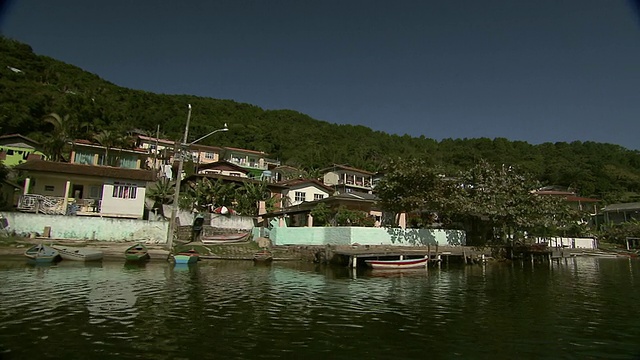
179,151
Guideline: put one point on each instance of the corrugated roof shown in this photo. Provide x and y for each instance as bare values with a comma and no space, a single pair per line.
87,170
622,207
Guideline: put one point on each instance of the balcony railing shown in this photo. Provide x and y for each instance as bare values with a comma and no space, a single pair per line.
54,205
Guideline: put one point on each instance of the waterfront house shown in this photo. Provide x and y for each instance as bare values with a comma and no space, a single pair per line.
16,149
301,190
98,181
346,179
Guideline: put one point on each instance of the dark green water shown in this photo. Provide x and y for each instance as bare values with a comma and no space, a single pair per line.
582,308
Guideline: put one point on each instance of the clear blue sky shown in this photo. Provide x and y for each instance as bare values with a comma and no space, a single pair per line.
538,71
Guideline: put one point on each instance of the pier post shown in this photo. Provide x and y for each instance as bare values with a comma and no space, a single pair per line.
354,261
428,253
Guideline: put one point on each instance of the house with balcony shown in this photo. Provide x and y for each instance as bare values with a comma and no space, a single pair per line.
223,167
345,179
254,161
159,154
97,182
16,149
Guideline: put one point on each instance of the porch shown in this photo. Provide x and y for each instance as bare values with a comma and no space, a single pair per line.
55,205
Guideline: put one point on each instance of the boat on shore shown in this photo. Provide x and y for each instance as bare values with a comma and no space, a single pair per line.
263,257
224,238
137,252
186,257
398,264
78,253
41,253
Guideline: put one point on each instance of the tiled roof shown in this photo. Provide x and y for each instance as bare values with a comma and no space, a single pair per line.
296,182
245,150
153,140
87,170
222,165
348,168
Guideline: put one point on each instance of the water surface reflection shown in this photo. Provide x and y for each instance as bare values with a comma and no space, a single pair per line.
577,308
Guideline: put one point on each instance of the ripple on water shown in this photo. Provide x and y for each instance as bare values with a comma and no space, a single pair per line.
236,311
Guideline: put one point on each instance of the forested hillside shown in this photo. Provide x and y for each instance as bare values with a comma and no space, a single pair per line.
32,86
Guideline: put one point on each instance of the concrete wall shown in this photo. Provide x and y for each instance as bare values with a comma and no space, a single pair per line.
220,221
365,236
89,228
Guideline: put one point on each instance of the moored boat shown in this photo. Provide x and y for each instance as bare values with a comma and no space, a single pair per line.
186,257
137,252
78,253
41,253
398,264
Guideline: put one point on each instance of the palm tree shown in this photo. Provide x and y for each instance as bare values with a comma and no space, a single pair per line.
63,133
107,139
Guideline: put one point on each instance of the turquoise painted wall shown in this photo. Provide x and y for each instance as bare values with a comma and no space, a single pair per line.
365,236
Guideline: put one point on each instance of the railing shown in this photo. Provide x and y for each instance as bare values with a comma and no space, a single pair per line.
248,164
41,204
53,205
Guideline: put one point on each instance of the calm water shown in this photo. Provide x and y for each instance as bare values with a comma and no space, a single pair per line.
577,309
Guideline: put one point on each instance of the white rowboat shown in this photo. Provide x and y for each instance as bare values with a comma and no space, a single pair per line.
78,253
398,264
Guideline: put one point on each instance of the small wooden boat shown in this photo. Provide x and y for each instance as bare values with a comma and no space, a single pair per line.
263,256
186,257
42,254
137,252
224,238
398,264
78,253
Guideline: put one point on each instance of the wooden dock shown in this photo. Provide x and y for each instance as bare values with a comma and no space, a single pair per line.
353,256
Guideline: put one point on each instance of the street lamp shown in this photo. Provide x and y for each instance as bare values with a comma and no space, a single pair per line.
176,195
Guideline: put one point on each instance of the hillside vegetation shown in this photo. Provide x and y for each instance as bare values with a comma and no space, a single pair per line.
44,85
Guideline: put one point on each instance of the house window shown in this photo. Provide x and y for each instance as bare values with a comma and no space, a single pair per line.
318,196
300,196
124,190
49,188
208,155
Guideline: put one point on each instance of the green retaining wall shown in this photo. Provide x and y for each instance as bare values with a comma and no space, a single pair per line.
365,236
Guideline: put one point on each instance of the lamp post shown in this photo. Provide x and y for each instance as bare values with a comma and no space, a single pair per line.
176,196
